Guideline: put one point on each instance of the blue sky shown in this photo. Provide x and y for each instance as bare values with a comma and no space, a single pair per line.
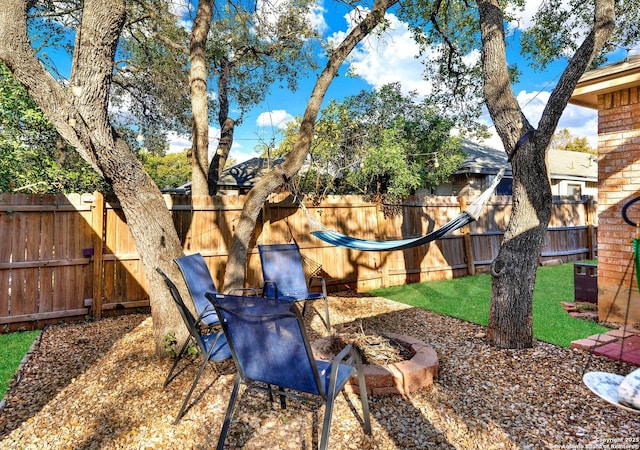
385,59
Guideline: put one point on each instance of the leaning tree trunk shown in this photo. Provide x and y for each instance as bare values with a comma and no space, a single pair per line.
81,118
227,126
236,266
514,269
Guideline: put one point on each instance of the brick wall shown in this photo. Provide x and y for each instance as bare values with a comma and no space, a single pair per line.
618,182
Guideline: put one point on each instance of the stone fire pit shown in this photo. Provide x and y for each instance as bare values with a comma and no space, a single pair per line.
397,378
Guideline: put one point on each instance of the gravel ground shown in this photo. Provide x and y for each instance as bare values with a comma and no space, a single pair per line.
98,385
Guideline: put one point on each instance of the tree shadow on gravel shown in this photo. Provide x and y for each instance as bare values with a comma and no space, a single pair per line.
62,353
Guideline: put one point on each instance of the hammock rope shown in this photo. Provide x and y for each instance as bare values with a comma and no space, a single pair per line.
469,215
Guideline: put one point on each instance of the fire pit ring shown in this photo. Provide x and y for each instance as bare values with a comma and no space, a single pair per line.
397,378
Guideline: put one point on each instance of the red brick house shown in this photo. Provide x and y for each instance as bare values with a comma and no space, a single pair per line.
614,90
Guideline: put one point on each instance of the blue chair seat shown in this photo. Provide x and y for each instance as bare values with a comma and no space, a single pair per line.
216,345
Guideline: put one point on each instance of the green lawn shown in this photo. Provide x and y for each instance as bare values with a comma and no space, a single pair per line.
468,299
13,347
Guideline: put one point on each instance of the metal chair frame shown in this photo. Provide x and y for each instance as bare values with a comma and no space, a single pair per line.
213,347
281,329
284,278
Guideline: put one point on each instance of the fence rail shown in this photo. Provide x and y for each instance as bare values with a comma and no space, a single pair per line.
70,256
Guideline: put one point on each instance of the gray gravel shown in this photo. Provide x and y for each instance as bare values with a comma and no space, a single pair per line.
98,385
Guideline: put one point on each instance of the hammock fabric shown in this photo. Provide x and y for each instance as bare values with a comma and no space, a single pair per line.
341,240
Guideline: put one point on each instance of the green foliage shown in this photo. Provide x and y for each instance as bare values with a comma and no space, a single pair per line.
386,168
13,348
33,157
449,36
559,26
168,171
379,142
564,140
169,343
468,298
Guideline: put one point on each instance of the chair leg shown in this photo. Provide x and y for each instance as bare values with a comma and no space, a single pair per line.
193,386
283,398
175,363
363,399
326,313
227,417
326,425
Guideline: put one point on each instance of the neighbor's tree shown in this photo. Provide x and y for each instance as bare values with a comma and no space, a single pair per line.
564,140
234,52
579,30
167,171
379,142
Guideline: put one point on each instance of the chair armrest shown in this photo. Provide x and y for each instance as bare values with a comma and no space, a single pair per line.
322,283
204,313
252,290
351,356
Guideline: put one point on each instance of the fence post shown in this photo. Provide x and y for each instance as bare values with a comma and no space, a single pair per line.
468,250
266,221
380,221
97,225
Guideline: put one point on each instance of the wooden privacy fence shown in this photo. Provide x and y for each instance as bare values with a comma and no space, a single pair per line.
67,256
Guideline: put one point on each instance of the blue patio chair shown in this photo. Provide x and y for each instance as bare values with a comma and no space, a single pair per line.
284,278
270,348
212,347
198,279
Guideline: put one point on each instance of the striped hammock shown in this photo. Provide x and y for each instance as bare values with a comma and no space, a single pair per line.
341,240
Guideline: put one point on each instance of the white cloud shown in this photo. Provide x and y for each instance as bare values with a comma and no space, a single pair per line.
387,58
269,12
277,118
524,17
179,143
315,16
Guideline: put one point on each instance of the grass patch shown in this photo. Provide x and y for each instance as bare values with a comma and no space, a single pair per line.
468,298
14,347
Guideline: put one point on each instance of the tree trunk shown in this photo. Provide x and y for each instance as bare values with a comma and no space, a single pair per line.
227,126
199,98
222,153
236,265
81,118
514,269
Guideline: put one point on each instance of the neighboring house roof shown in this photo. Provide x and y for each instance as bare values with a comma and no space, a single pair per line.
242,176
573,165
482,159
563,164
245,174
